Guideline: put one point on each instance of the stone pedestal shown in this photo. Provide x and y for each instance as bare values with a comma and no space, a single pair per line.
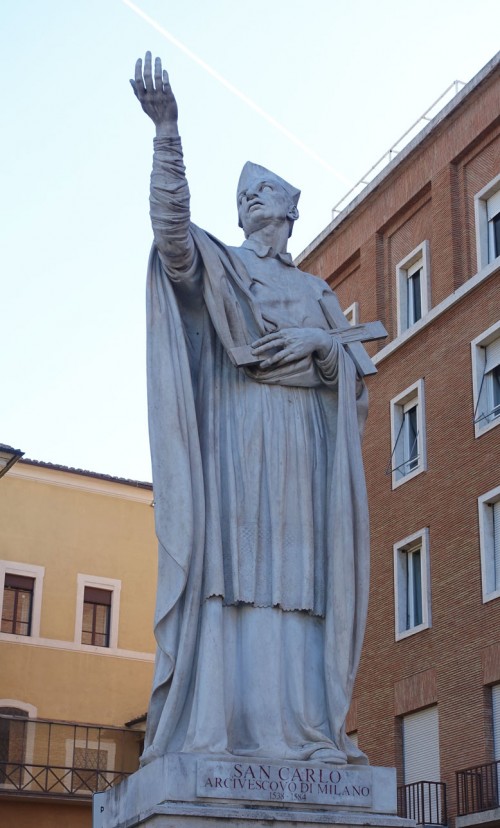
188,791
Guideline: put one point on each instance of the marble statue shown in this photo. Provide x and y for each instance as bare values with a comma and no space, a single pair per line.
256,408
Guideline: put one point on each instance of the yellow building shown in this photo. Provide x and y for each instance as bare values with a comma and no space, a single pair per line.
77,586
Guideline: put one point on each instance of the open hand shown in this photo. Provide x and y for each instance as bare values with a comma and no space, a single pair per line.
156,98
293,344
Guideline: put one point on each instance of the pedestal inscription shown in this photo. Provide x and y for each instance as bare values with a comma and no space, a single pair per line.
284,783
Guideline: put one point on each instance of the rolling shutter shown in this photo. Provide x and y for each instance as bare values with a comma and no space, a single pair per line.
493,205
421,746
495,698
496,545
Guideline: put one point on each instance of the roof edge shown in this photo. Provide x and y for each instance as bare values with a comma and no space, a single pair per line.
441,116
138,484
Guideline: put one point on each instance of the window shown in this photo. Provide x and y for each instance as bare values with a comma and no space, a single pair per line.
20,598
487,209
16,741
411,560
421,746
422,766
412,584
486,379
89,764
12,745
495,703
412,285
97,609
408,456
352,313
17,604
493,215
489,541
90,761
493,789
96,616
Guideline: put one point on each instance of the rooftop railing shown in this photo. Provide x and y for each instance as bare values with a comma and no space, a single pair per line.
398,145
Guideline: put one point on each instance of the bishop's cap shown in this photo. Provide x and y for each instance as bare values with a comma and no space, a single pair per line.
254,173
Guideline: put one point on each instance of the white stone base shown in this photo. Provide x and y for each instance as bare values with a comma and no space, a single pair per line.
193,791
208,816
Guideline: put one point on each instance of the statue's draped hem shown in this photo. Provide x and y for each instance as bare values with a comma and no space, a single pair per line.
177,433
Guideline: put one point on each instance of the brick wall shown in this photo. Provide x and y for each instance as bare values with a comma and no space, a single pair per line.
428,196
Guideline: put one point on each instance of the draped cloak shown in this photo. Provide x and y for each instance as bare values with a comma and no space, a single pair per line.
183,361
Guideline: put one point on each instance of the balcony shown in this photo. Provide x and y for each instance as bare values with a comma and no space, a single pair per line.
425,802
477,794
64,759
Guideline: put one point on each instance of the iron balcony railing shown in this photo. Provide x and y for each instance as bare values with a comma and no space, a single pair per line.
425,802
477,788
64,759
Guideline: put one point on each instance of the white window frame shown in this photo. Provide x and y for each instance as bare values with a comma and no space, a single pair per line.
29,747
399,406
30,709
418,540
352,313
482,389
418,259
483,242
489,582
111,585
27,571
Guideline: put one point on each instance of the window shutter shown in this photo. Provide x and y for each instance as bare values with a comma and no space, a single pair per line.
421,746
496,542
495,698
415,267
492,355
19,582
93,595
493,205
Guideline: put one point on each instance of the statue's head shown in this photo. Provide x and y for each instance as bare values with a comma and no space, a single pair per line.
263,198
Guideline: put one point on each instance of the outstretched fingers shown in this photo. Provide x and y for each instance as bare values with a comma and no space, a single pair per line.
152,88
138,83
158,75
148,75
143,84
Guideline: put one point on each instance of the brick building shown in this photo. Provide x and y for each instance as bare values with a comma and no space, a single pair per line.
420,250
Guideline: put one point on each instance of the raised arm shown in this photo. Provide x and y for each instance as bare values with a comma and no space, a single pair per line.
169,195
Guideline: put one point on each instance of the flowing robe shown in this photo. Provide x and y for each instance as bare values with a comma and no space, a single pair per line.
260,502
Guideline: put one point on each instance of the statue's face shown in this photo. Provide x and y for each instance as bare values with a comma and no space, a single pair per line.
264,202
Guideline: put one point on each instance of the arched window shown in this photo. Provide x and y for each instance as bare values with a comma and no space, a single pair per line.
13,733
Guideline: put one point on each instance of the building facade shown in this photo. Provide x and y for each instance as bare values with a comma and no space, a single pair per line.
419,249
77,588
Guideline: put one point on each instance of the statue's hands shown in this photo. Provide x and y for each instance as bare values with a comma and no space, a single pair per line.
293,344
156,98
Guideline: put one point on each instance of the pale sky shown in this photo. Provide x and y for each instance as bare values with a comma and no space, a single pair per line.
346,77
